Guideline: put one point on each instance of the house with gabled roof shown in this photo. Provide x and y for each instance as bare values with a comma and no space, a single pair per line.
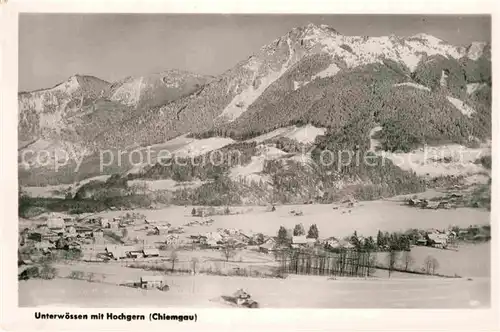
268,246
152,252
299,241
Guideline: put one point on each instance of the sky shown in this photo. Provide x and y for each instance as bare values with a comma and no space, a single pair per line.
52,47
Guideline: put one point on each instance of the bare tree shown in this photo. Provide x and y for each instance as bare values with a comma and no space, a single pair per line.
428,264
229,250
372,263
392,258
174,257
434,265
408,259
194,261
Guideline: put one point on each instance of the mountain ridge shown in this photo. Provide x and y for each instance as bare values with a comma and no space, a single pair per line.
311,75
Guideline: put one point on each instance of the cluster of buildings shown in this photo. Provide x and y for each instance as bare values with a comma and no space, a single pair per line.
218,238
301,242
436,238
207,222
126,251
60,232
426,204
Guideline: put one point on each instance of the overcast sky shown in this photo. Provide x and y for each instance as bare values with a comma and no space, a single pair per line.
53,47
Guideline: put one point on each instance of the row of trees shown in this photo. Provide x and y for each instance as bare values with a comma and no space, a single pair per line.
384,241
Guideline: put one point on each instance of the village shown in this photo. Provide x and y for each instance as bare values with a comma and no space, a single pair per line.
132,238
171,250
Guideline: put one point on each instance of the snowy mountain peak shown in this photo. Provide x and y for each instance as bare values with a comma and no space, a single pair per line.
69,86
156,89
476,50
427,38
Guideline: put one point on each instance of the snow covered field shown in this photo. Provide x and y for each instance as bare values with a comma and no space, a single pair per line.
293,292
366,217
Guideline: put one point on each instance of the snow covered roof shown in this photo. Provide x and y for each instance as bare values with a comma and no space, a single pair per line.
152,251
120,251
55,223
299,239
268,245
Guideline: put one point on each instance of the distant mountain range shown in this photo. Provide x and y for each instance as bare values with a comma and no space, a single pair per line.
417,90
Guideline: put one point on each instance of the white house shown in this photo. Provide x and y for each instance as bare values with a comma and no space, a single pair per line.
119,252
172,239
151,252
161,229
55,223
268,246
298,241
104,223
151,282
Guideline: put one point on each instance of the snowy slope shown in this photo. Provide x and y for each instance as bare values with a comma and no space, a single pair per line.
305,134
202,146
473,87
253,170
459,104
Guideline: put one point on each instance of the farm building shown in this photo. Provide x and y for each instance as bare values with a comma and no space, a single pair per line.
213,236
153,252
161,229
172,239
437,240
268,246
148,282
299,241
105,223
119,252
55,223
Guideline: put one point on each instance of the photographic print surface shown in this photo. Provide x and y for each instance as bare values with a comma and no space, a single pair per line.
254,161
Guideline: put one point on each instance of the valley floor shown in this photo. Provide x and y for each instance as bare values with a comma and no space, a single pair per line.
400,291
366,218
294,292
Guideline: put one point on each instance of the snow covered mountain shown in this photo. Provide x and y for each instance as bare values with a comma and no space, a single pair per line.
303,55
311,75
45,113
156,89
